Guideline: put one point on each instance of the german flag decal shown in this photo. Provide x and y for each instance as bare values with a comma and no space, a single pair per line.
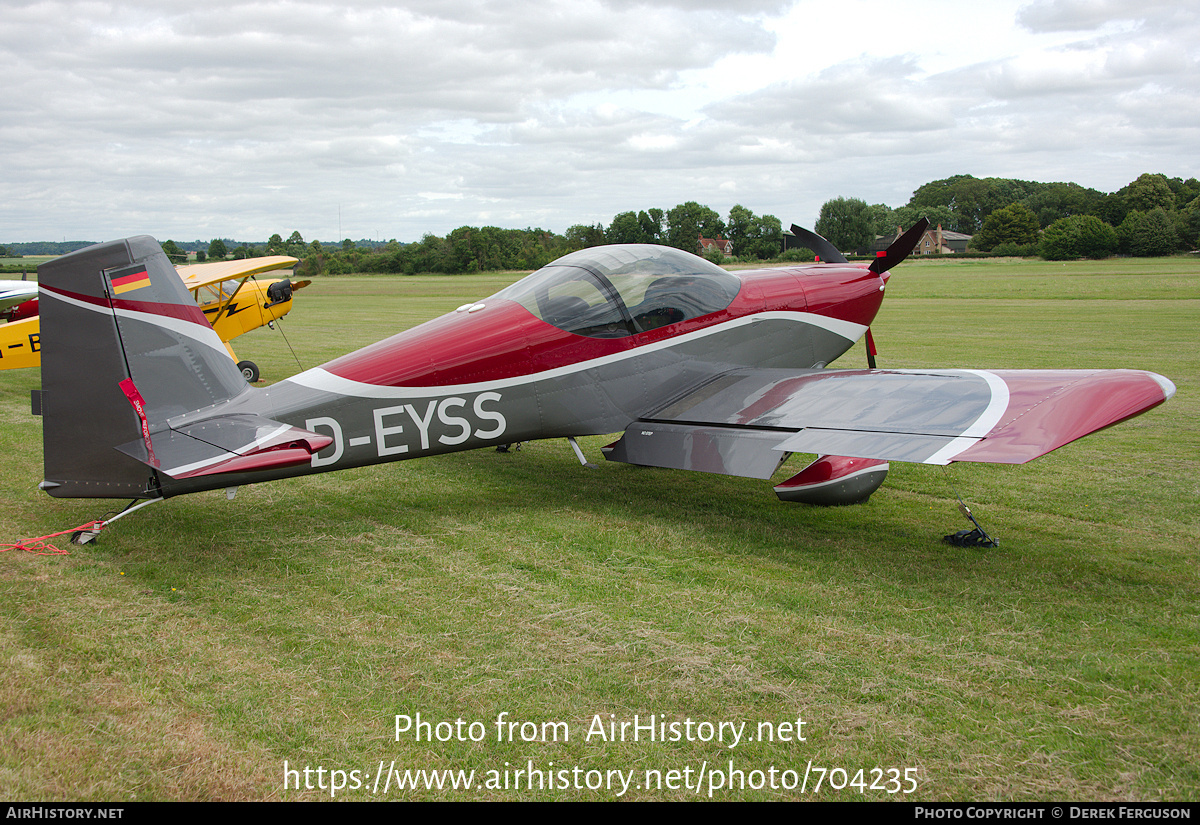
134,280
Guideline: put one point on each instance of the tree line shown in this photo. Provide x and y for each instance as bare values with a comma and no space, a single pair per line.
490,248
1153,215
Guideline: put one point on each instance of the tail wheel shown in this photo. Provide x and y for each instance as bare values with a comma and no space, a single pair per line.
249,371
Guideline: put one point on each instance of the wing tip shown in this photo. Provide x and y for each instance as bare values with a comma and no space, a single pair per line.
1168,386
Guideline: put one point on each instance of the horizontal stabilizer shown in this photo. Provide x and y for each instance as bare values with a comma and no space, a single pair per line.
226,444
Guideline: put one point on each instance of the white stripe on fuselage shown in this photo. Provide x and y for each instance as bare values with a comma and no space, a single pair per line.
319,378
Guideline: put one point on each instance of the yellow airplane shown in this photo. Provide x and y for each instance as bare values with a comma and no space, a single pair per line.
232,302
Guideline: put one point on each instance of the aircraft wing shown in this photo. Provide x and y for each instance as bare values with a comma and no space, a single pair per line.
16,292
745,422
198,275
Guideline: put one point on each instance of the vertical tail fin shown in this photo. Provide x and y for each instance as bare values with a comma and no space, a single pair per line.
115,313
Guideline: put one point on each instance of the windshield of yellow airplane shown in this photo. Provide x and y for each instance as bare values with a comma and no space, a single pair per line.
218,292
614,291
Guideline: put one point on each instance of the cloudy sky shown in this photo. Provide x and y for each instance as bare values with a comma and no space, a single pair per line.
194,119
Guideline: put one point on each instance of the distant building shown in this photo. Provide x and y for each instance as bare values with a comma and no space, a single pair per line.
933,242
941,241
724,246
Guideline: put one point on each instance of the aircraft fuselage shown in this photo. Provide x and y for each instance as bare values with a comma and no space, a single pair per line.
493,373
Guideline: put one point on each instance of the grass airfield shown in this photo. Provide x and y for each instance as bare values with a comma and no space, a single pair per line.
202,643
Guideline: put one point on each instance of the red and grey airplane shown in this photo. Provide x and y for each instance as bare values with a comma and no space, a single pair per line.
702,369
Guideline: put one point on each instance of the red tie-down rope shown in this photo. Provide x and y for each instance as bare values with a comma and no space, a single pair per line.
41,546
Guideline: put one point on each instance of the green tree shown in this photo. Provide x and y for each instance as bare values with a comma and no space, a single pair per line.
1149,192
651,221
770,238
1111,209
1148,234
883,219
1051,201
754,236
427,256
1187,224
1079,236
741,228
581,236
970,200
174,253
906,216
963,195
1185,191
845,223
295,245
461,250
687,222
217,250
625,228
1014,224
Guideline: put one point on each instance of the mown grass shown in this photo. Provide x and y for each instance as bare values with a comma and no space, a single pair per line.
201,642
28,263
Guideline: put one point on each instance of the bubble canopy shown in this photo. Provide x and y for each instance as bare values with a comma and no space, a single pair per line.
620,290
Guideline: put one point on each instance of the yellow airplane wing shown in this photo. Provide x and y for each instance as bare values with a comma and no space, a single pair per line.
198,275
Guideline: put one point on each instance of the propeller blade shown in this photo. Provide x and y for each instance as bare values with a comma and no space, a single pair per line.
897,252
824,249
900,248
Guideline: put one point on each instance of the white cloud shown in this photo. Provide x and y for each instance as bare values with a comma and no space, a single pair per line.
1091,15
243,118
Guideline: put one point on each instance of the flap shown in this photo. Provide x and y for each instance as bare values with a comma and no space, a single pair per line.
917,448
724,450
